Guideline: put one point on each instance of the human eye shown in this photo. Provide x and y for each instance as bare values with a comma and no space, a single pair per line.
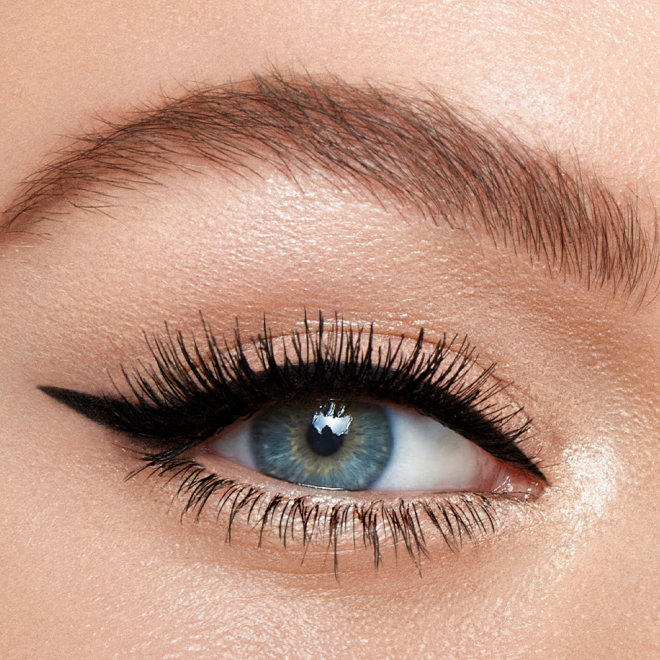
334,421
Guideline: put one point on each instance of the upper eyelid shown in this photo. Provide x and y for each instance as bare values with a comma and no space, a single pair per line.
423,153
180,375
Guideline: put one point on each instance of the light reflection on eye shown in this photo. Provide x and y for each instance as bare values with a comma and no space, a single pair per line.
354,445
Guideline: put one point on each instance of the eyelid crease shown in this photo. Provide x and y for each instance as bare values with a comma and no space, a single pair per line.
420,152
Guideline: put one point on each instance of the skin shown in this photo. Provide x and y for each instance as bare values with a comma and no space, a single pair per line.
97,567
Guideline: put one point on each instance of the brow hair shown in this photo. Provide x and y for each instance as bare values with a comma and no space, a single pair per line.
417,152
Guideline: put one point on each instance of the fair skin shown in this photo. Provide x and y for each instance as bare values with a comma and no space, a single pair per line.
95,566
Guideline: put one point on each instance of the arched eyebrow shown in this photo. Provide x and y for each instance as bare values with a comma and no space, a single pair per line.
420,153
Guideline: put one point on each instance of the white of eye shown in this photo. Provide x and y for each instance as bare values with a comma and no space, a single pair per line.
429,456
235,445
426,455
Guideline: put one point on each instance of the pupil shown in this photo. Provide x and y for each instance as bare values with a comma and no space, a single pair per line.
325,443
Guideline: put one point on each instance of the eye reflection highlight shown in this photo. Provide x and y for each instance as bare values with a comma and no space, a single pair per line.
325,433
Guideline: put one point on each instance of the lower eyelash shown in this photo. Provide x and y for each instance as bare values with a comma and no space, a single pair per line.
457,517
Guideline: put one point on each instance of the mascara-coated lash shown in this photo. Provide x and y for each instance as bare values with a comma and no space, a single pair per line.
191,391
188,394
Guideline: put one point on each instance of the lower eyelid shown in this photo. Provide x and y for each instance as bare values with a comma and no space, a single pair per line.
326,523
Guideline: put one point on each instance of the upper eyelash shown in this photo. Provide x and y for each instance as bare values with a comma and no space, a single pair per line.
164,415
188,395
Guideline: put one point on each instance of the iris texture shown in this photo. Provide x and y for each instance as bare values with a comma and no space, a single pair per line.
328,444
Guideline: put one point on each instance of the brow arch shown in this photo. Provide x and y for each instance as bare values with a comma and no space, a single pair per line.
418,152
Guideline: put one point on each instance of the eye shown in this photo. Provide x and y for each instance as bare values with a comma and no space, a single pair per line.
354,445
250,429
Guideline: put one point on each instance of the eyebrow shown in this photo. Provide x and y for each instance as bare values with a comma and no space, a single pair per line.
417,152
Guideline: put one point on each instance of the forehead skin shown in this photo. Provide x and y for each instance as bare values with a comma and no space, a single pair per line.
580,78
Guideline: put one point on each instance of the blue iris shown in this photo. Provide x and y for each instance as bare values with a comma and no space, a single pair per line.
329,444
